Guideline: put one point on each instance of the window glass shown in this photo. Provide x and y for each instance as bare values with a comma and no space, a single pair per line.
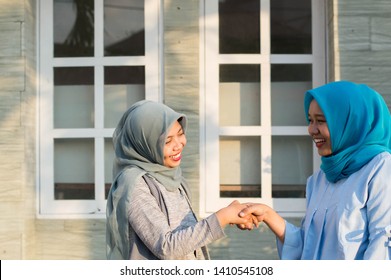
240,166
290,27
74,169
239,95
124,29
239,26
73,28
73,97
291,165
289,83
124,85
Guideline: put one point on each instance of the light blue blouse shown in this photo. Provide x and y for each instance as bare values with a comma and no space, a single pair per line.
346,219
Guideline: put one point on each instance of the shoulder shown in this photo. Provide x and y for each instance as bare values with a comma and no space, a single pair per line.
317,177
384,157
380,165
315,182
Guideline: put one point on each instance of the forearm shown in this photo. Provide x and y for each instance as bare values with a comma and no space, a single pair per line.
276,224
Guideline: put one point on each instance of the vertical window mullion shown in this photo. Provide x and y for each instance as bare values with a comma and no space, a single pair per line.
46,109
266,136
211,125
99,28
265,100
99,174
151,44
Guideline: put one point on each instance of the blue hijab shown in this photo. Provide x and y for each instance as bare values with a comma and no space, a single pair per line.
359,123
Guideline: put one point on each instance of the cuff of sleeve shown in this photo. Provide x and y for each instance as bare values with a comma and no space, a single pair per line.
291,248
292,235
214,226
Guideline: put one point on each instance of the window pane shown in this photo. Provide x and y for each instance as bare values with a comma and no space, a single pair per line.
239,26
124,85
73,97
290,27
124,27
291,165
289,83
109,159
240,166
239,95
74,169
73,29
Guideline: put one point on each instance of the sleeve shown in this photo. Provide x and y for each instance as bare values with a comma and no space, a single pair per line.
151,225
379,212
292,247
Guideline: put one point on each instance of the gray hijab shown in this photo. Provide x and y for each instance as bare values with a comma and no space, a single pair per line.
139,141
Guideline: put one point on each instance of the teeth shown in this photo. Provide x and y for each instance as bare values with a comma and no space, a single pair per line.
176,156
319,140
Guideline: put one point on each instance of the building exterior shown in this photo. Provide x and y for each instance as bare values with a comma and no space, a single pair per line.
237,69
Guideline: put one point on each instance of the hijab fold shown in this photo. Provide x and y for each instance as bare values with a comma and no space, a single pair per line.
359,123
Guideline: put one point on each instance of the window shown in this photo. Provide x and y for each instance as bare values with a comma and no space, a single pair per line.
96,58
260,57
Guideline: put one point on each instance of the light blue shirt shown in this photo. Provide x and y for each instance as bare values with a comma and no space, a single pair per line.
346,219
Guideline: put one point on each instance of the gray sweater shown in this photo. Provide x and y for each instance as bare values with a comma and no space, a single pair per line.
177,235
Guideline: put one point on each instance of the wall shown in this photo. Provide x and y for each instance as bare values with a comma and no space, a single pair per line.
362,42
359,49
17,129
181,80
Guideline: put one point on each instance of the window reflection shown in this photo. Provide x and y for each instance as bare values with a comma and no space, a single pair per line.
73,28
74,169
240,165
290,27
239,95
291,165
239,26
289,83
124,85
73,97
124,27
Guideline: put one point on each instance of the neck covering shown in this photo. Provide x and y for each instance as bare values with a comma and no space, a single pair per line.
359,123
139,141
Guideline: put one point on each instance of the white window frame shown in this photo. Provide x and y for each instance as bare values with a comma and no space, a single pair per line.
210,59
47,206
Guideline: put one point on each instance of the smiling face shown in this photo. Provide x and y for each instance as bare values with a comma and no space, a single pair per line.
318,129
175,142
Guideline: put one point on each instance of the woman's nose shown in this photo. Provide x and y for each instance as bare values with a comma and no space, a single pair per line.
313,129
177,144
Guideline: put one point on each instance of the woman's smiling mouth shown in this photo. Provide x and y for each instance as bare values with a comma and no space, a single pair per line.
319,141
176,157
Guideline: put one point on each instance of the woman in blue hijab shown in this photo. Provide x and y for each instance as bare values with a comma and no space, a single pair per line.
348,212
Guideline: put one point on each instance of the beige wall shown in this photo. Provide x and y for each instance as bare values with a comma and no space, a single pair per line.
360,41
181,85
17,129
359,49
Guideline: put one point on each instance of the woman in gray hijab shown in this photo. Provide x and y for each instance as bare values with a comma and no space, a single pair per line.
149,214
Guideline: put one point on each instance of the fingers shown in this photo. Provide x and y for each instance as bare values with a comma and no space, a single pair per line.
235,202
252,209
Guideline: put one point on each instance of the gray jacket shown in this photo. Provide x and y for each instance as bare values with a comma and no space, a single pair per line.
145,221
